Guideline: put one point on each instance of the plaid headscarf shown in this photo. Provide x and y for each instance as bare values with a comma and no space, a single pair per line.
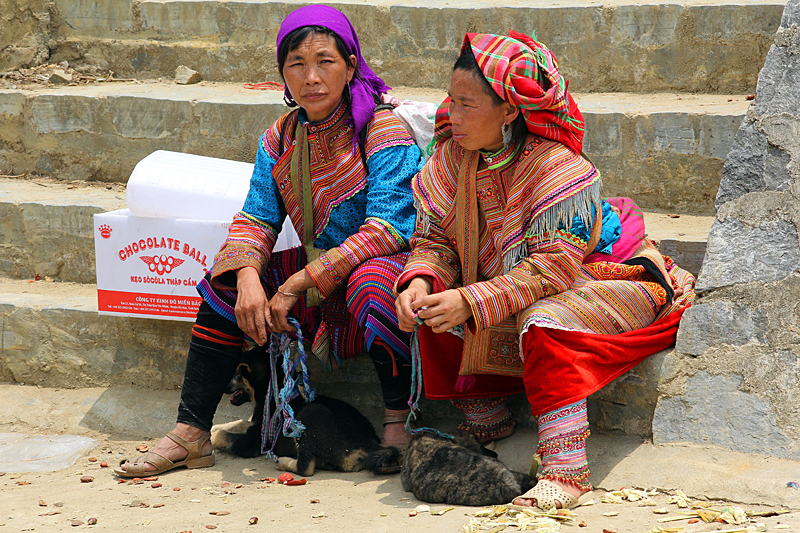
516,67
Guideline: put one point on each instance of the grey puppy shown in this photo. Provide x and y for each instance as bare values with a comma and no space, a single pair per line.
438,470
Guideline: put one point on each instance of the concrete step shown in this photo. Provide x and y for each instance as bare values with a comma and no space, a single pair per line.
46,227
666,151
52,336
618,45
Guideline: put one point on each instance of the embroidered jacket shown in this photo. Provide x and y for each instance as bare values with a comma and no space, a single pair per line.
358,213
535,204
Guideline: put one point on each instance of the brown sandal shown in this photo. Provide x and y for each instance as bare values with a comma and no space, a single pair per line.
194,459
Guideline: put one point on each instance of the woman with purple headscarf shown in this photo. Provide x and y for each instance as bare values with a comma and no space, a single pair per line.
340,168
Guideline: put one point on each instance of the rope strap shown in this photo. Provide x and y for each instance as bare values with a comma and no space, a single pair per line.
280,344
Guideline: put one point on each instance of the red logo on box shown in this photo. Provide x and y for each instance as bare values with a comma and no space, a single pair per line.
162,264
105,231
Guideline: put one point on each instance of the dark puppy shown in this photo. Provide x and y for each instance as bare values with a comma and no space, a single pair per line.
437,470
337,435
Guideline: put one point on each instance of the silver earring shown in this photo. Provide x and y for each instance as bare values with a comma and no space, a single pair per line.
349,93
506,129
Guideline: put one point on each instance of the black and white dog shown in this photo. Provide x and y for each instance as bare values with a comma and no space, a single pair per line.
337,435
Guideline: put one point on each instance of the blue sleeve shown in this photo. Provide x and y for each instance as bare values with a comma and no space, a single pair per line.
612,229
389,196
264,201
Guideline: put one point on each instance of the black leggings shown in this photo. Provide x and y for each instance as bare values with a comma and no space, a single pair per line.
216,350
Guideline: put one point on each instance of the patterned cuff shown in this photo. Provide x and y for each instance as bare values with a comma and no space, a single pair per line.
230,259
329,271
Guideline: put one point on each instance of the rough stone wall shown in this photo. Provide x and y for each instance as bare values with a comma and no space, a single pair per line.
734,379
25,33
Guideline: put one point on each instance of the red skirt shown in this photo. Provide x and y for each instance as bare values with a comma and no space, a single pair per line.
561,367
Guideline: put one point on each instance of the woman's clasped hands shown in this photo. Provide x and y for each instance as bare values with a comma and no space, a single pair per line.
441,311
259,316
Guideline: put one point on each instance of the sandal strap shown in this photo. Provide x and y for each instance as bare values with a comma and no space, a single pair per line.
395,419
194,448
137,466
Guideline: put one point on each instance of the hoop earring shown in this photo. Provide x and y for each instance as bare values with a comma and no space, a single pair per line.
289,101
506,130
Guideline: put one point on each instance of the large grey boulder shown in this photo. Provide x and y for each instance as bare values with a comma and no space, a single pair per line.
734,378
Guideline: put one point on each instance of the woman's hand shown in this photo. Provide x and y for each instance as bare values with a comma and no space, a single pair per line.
404,305
443,310
286,298
252,306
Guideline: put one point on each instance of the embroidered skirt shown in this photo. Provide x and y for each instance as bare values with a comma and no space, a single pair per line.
348,321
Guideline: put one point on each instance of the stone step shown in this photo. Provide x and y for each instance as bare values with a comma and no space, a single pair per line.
46,227
52,336
665,151
692,46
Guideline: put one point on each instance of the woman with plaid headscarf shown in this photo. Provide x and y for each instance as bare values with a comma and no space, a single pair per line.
522,277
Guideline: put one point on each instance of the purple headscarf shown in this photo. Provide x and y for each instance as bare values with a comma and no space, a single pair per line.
363,88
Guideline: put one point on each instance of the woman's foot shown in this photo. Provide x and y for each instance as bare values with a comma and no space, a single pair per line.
394,428
529,500
485,437
169,449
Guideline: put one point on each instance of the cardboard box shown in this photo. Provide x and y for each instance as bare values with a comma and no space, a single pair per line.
149,267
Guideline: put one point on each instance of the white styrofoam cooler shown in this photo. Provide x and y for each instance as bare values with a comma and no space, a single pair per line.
150,257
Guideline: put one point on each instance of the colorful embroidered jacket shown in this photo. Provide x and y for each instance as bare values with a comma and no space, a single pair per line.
358,213
535,201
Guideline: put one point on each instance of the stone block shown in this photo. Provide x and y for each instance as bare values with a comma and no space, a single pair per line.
46,228
627,403
738,253
720,322
97,15
140,117
11,104
714,411
52,113
637,48
688,254
752,165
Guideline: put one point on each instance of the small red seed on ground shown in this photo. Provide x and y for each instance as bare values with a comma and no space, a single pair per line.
92,459
142,448
314,501
219,513
225,484
122,480
156,485
76,523
609,531
176,489
92,521
104,464
253,520
86,479
151,478
42,503
238,486
694,521
157,505
301,481
211,526
582,524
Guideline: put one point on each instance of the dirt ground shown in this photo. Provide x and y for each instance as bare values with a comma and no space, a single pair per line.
185,500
